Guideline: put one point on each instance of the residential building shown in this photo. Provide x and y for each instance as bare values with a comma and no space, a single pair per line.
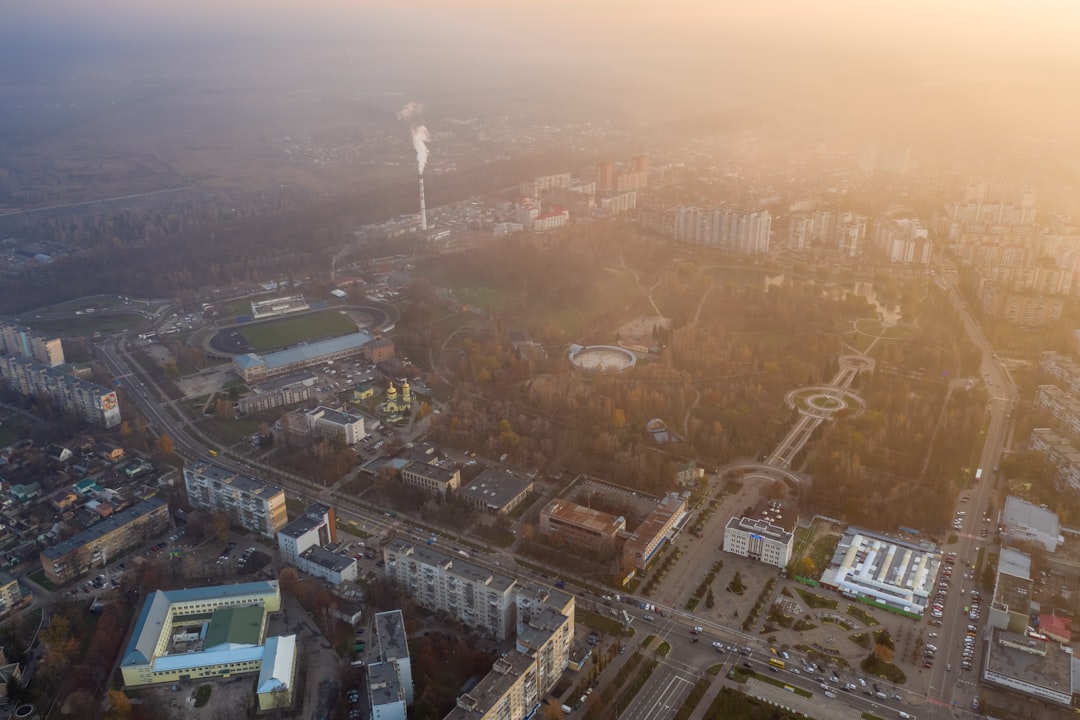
556,217
249,502
105,540
1063,406
431,478
581,524
759,540
509,692
317,527
740,232
1060,453
545,631
605,176
904,241
10,594
205,632
92,403
468,592
386,696
30,344
496,491
655,530
393,649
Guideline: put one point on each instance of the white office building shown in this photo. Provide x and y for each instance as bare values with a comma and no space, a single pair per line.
759,540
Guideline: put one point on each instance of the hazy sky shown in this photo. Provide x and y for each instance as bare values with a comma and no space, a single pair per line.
985,26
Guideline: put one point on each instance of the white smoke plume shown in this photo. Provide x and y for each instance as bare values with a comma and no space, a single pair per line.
420,139
410,111
420,135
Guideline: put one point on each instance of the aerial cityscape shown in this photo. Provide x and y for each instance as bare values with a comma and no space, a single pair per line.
498,361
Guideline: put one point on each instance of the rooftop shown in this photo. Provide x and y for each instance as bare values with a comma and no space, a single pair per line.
432,472
241,625
594,521
103,528
481,699
245,483
1032,661
760,527
390,628
324,558
428,555
496,488
302,353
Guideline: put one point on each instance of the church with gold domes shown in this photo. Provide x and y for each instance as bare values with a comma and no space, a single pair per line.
397,405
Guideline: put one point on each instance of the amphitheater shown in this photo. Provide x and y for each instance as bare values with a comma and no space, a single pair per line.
601,358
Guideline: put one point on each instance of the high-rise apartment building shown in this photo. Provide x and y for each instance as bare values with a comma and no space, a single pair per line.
744,233
30,344
605,176
468,592
94,404
249,502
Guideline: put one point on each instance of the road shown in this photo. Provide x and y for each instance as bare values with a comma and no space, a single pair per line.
957,687
674,678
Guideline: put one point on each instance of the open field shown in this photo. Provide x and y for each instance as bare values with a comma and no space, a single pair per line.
87,324
486,298
272,334
99,302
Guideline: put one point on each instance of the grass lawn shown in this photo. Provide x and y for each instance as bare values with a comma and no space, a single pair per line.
91,301
87,324
599,623
485,298
278,333
202,695
38,576
228,432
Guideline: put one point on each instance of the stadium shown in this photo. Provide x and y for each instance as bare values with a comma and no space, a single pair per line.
296,327
274,307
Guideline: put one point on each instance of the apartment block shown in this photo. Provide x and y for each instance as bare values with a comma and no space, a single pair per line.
30,344
476,596
106,540
249,502
94,404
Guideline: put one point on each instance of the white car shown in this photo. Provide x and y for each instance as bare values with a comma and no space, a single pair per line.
718,645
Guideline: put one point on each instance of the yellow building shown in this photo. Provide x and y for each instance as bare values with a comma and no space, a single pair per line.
198,633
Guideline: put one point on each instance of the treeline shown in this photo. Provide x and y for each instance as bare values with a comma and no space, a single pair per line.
902,461
161,252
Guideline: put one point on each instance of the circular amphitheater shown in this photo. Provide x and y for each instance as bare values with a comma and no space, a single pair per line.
601,358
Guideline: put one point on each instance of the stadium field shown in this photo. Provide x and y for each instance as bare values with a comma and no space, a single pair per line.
273,334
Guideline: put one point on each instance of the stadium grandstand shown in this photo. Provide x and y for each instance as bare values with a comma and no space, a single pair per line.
274,307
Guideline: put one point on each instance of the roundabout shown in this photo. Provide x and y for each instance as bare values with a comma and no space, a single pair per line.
822,401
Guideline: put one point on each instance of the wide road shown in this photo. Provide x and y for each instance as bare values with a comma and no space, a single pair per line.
955,686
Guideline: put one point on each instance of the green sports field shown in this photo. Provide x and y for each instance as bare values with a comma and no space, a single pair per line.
273,334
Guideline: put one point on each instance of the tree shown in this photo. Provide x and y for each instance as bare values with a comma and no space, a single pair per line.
710,599
219,526
119,705
165,445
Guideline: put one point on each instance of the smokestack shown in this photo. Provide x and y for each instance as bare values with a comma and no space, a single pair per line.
423,206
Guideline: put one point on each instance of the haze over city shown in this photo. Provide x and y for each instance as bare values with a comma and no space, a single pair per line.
539,359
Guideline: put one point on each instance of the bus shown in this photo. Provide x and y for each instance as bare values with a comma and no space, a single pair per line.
776,663
213,453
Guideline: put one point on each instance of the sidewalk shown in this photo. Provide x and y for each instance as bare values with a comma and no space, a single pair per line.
813,707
